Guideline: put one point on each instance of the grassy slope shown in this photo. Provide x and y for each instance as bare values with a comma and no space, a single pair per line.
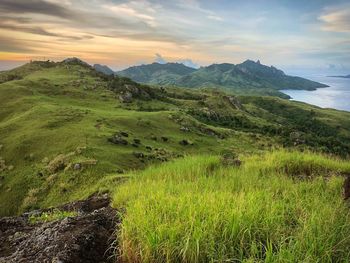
54,109
196,210
47,113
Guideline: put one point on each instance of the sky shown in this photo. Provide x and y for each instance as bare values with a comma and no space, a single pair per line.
293,35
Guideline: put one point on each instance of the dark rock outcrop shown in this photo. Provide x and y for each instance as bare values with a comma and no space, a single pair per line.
86,237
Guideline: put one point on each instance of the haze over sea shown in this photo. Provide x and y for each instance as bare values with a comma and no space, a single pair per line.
336,96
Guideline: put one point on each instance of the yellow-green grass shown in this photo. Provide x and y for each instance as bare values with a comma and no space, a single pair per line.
279,207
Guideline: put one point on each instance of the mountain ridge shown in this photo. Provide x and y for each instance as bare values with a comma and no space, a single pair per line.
248,76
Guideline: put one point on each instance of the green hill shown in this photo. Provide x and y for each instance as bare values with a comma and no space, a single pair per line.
156,73
246,78
65,128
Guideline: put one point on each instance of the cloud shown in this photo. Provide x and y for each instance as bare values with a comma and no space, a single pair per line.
159,59
11,45
336,19
134,10
188,63
10,24
35,7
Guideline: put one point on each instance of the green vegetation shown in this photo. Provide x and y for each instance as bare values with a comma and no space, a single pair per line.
247,78
60,126
279,207
67,131
49,216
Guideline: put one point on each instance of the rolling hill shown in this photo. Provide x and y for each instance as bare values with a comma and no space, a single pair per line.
65,128
248,77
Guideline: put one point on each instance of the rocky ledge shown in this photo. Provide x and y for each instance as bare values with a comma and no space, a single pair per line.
85,237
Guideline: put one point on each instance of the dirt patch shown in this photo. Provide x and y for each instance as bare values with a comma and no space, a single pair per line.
86,237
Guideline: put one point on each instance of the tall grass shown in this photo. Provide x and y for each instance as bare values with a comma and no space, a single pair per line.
196,210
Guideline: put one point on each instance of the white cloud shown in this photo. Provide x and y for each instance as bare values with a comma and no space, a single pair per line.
336,19
141,11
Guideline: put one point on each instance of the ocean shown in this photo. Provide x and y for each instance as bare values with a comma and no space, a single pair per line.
336,96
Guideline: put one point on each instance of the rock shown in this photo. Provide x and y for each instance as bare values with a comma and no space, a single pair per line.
186,142
10,167
124,134
86,237
118,140
77,166
137,141
164,139
184,129
125,97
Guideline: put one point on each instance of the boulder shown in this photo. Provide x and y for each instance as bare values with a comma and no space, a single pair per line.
125,97
118,140
77,166
137,141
